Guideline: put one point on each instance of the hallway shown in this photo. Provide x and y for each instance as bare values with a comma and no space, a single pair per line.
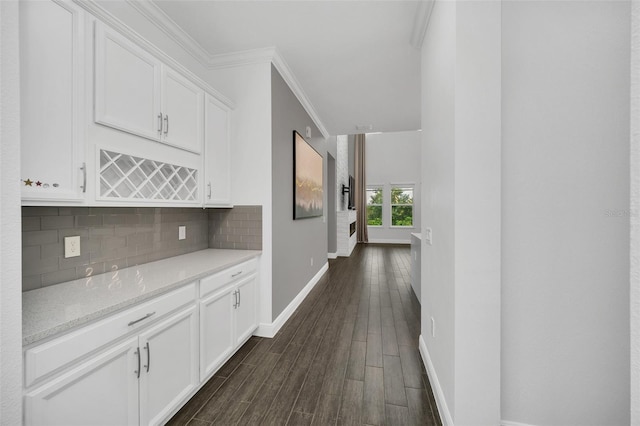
348,355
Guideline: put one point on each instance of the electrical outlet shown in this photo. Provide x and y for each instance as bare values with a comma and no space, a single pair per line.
433,327
71,247
182,232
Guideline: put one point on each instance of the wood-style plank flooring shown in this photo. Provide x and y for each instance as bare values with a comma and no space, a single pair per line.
347,356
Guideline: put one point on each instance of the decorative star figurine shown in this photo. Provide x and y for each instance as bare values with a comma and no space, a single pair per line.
28,182
38,183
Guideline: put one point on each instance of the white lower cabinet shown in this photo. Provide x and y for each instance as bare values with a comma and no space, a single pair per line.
216,330
100,391
139,381
169,365
105,373
228,317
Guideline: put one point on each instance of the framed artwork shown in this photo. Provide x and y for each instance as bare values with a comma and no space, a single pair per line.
307,179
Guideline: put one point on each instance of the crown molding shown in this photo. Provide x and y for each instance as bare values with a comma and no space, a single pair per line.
421,22
291,80
170,28
270,55
242,58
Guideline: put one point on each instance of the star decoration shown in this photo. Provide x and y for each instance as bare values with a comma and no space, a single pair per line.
38,183
28,182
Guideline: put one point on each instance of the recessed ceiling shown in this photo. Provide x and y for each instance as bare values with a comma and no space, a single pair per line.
353,59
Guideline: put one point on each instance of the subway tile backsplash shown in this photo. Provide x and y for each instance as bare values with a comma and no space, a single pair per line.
117,237
236,228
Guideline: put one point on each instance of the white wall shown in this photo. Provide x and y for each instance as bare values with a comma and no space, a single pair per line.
10,258
565,323
250,88
438,209
461,180
635,219
392,159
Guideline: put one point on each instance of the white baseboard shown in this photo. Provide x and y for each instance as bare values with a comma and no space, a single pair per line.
508,423
441,402
388,241
270,329
332,255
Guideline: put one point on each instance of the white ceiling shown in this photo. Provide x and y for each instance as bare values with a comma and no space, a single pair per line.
353,58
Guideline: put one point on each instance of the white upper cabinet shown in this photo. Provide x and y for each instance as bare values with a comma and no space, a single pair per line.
51,88
136,93
127,80
217,150
182,106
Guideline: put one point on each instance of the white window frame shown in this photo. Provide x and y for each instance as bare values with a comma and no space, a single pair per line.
411,186
381,188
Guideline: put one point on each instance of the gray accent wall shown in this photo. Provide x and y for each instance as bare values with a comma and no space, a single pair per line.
296,243
119,237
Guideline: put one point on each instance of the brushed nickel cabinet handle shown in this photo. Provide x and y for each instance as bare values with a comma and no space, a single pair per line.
209,186
160,122
138,370
236,274
235,299
166,122
141,319
239,298
148,349
84,177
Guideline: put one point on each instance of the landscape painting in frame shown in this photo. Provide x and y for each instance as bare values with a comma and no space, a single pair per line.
307,191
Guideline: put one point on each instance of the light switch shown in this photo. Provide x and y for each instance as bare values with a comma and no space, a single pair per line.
182,232
428,236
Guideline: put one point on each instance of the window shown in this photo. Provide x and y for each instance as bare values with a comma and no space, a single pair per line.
374,206
401,206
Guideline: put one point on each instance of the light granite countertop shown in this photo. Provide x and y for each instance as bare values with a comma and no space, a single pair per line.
49,311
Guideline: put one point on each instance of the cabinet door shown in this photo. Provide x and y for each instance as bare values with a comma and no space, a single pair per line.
51,83
101,391
217,154
216,330
182,106
169,365
246,314
127,85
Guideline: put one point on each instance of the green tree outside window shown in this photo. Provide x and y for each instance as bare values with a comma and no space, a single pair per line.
374,206
401,206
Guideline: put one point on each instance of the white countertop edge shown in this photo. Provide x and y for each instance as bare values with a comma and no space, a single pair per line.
237,256
418,235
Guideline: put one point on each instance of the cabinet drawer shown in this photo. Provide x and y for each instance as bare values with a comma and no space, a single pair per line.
216,281
48,357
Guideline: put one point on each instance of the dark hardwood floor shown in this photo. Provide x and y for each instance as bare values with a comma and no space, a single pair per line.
348,355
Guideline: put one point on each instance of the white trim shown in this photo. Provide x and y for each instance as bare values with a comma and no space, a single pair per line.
421,22
171,29
441,402
272,55
388,241
241,58
296,88
509,423
332,255
634,206
270,329
105,16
